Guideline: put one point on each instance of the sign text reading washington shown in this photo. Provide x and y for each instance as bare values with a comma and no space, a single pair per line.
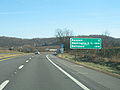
85,43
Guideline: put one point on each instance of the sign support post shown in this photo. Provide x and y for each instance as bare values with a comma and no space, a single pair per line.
85,44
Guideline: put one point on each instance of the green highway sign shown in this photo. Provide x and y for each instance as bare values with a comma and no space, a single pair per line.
85,43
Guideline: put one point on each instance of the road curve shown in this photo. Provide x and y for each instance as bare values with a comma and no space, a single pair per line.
47,72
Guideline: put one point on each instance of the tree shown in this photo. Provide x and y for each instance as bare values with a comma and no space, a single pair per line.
63,36
28,48
106,33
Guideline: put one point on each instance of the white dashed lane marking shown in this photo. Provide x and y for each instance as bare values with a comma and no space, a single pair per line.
27,61
15,72
21,66
4,84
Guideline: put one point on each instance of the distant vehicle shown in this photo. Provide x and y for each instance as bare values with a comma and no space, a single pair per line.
55,53
37,53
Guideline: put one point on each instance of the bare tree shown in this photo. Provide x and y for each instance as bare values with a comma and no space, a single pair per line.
59,35
63,36
106,33
67,32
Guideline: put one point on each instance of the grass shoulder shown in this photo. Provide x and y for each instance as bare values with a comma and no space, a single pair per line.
4,54
105,69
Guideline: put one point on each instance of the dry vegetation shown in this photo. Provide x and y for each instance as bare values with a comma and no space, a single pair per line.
96,66
107,58
109,55
5,54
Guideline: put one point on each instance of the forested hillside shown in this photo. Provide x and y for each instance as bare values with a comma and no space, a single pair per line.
16,42
8,42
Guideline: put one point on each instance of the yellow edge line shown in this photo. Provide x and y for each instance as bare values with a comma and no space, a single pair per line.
7,58
10,58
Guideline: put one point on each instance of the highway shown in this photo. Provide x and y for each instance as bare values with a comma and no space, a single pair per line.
48,72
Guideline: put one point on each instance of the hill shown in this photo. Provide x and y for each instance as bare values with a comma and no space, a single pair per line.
7,42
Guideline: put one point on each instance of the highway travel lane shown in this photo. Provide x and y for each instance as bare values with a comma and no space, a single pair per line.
40,74
47,72
9,66
95,80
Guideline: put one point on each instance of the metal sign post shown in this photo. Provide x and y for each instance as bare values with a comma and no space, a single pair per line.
85,44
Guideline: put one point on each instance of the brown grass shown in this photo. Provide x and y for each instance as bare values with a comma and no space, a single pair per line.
104,69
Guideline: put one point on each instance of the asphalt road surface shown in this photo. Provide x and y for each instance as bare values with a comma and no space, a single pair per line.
47,72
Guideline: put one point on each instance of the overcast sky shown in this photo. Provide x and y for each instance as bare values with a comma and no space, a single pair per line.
40,18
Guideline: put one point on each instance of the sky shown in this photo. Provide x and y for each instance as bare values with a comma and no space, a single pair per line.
41,18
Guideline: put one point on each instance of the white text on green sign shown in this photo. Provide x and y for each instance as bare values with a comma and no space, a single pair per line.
85,43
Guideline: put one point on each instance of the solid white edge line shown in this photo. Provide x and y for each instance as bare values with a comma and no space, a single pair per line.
21,66
67,74
2,86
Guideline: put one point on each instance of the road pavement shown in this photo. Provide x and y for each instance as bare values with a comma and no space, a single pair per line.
48,72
